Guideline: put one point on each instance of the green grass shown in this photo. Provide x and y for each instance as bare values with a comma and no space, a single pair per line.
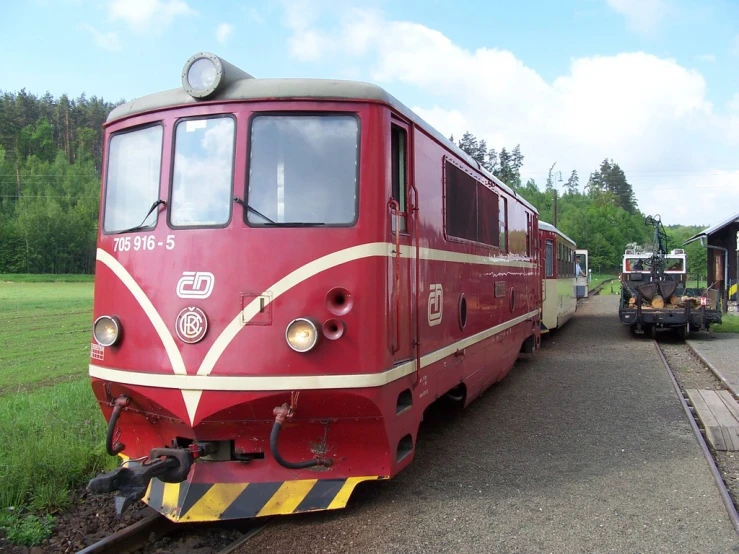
730,324
45,278
598,279
53,441
51,428
44,333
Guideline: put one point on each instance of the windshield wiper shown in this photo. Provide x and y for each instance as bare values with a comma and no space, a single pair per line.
141,225
295,224
252,210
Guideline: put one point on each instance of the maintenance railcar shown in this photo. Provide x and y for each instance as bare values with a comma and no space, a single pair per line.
289,271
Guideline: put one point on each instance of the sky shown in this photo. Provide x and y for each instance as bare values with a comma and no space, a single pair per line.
651,84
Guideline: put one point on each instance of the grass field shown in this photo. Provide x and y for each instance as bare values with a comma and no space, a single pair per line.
730,324
44,333
52,436
45,278
598,279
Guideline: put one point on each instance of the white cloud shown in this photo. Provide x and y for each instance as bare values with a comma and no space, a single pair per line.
141,15
643,16
108,41
706,58
649,114
224,31
306,44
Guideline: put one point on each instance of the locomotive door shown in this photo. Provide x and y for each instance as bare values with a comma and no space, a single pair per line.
400,276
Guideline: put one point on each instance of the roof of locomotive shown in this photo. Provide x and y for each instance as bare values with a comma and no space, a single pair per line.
299,89
551,228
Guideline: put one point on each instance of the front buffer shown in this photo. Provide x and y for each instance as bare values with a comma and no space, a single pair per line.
231,466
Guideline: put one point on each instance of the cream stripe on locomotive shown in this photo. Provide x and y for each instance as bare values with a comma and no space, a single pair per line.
175,358
182,502
191,394
302,382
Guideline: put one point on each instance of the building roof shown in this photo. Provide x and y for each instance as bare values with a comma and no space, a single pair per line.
549,227
250,88
716,228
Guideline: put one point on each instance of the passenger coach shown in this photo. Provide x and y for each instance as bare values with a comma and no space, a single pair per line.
559,294
289,271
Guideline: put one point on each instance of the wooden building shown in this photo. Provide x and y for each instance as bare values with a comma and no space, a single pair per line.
723,257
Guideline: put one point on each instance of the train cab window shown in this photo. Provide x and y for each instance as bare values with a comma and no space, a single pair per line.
303,170
399,162
203,172
133,175
503,223
550,259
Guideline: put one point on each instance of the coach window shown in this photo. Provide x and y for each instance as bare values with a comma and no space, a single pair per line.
303,170
399,159
132,186
203,172
550,259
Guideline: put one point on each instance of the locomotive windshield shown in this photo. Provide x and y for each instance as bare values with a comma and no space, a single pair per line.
202,173
134,165
303,170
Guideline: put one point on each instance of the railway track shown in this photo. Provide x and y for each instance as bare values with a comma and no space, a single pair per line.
148,531
599,287
679,379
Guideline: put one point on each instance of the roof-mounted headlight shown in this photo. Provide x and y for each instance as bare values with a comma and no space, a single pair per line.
205,73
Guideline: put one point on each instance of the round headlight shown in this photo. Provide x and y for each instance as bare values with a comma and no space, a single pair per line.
301,334
202,75
106,330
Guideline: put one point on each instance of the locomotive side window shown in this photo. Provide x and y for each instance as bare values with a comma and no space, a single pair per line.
487,209
203,172
132,186
461,204
303,170
550,259
399,163
471,208
503,221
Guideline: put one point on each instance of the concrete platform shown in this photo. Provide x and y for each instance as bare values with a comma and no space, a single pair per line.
720,352
585,447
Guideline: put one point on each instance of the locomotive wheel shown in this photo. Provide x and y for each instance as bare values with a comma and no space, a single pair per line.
682,332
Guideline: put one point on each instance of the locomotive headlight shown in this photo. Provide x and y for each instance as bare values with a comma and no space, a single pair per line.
202,74
205,73
301,334
106,330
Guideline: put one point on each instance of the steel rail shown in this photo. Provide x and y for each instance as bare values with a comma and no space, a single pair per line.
723,491
131,536
246,537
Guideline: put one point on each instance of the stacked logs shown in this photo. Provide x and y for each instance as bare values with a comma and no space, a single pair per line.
675,301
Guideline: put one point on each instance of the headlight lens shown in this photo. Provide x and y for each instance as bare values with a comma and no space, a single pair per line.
202,75
301,334
106,330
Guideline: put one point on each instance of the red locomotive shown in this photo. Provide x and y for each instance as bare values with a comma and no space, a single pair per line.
289,271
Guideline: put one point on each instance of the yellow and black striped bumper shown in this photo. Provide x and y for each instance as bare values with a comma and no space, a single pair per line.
193,502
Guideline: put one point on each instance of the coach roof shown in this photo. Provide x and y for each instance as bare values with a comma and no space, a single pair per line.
249,88
544,226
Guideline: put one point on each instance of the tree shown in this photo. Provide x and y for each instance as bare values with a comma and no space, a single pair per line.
572,183
610,178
